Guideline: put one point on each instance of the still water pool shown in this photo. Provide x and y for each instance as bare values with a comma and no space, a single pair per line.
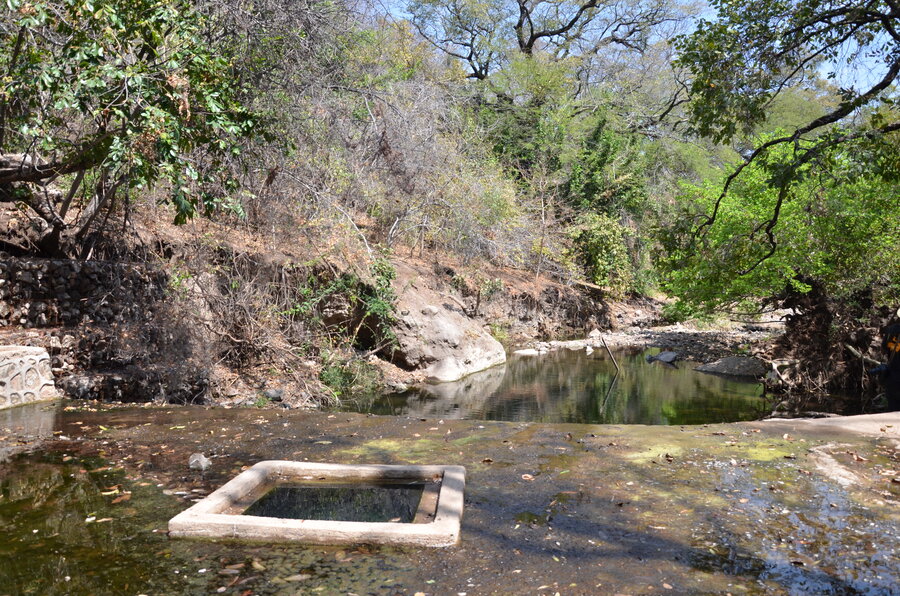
573,386
741,509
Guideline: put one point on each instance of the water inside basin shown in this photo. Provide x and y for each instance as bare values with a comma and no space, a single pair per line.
363,503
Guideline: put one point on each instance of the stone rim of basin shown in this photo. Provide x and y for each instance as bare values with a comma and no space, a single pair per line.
219,514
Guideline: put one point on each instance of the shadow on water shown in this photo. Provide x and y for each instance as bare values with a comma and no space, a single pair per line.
573,386
359,503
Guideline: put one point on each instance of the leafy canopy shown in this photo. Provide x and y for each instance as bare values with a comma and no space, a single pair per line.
744,59
120,93
838,227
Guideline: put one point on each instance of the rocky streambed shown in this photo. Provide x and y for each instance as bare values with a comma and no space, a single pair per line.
774,507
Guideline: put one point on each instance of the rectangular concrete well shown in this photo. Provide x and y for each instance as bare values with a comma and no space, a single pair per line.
220,515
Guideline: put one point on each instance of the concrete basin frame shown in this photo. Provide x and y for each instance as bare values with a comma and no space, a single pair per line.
219,515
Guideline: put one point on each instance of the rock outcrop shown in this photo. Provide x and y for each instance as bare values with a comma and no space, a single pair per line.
736,366
436,337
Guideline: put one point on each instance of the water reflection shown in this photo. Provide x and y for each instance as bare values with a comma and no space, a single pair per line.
573,386
29,422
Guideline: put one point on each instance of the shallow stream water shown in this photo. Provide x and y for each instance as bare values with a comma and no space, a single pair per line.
549,508
574,386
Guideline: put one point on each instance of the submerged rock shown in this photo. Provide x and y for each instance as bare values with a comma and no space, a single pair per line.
666,357
736,366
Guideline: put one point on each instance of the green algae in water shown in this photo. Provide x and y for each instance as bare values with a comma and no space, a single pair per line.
64,535
359,503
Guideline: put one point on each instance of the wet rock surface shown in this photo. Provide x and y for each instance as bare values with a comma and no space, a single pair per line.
736,366
575,509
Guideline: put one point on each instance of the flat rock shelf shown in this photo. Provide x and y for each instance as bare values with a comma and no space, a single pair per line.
223,514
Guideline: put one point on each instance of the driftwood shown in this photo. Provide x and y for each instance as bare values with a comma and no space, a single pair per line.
861,356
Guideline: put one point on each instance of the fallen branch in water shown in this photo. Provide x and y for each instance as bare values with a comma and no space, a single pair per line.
861,356
608,351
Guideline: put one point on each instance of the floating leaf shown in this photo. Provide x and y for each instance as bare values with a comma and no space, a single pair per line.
298,577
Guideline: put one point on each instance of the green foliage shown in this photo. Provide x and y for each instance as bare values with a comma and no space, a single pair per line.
378,58
261,401
379,303
565,157
599,247
346,377
607,173
129,91
458,282
491,287
838,228
744,58
370,306
529,112
179,281
500,332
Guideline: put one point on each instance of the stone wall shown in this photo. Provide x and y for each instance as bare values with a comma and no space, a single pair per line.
25,376
47,292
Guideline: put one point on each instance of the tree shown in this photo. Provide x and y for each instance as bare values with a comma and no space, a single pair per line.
838,232
485,33
104,97
742,61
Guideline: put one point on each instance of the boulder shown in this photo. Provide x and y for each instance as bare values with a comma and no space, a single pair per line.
527,352
434,336
736,366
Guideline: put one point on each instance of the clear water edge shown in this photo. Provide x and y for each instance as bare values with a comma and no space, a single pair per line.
572,386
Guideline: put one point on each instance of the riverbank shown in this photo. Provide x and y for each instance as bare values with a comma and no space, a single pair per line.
549,508
702,346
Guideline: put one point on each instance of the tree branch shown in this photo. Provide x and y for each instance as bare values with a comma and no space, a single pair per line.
837,114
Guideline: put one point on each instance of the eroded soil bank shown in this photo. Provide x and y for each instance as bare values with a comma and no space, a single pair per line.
776,507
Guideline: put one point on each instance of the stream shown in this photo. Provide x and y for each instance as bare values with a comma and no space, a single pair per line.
587,388
86,491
